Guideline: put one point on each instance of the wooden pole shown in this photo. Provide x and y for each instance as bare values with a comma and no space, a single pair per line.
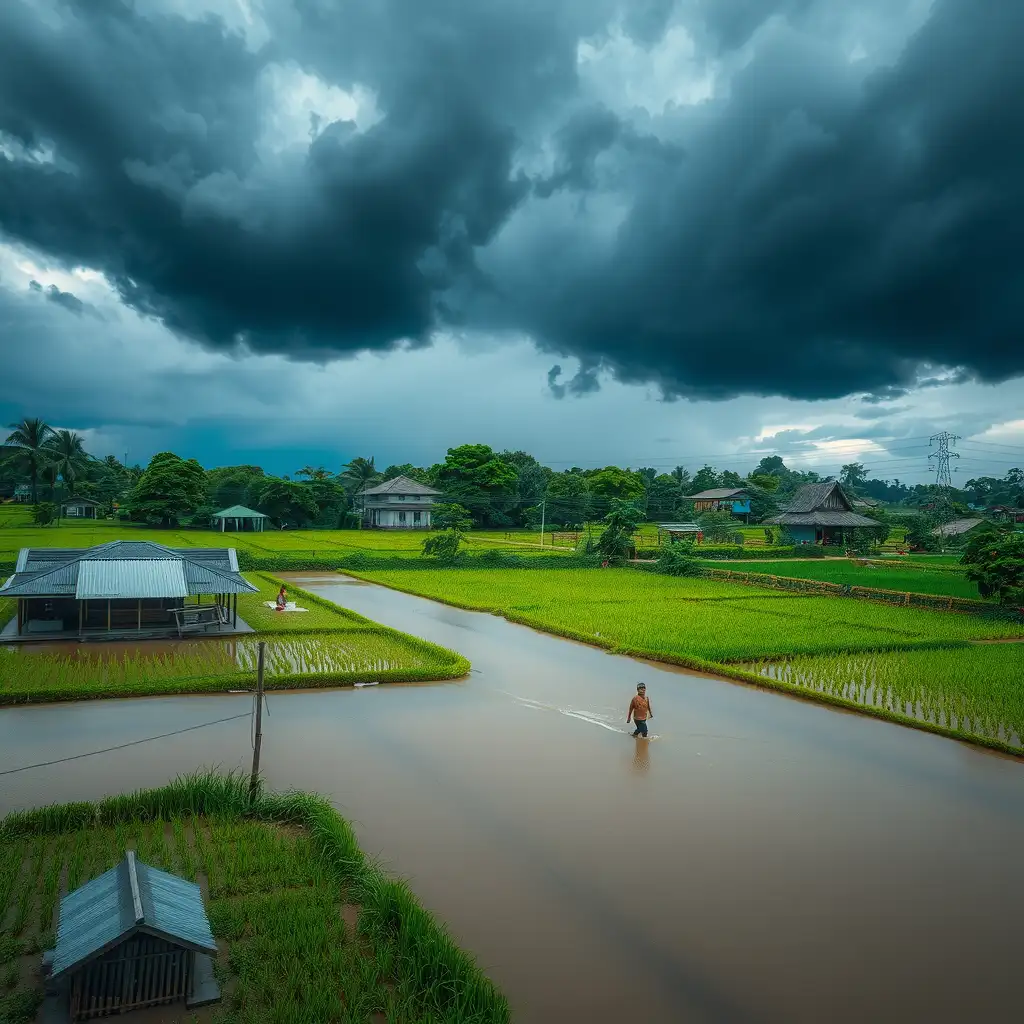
140,613
257,743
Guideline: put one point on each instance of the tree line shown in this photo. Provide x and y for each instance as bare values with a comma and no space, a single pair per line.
499,489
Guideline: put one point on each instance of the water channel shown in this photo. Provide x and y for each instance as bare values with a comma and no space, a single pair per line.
761,859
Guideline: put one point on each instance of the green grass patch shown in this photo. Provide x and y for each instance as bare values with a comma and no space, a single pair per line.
705,619
944,581
308,928
326,646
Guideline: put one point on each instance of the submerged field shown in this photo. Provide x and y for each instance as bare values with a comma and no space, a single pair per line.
307,930
945,579
725,627
325,646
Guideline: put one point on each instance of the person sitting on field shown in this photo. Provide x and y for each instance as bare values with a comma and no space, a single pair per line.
282,600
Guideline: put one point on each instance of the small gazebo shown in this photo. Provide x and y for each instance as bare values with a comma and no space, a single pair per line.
239,519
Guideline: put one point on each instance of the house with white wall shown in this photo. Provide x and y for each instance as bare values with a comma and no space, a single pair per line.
399,504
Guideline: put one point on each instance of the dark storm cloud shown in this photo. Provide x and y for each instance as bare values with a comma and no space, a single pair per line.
67,300
583,382
813,234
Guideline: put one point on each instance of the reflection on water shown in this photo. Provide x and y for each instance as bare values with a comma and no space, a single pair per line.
642,755
780,863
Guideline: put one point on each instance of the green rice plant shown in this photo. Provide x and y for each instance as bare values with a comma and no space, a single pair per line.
21,1006
975,690
51,884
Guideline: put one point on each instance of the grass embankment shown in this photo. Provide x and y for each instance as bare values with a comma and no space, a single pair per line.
325,646
943,580
308,928
723,628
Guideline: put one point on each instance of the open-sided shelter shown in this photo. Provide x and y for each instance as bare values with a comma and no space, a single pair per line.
239,519
133,937
124,588
821,514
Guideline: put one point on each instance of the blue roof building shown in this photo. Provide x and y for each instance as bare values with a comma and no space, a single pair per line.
132,937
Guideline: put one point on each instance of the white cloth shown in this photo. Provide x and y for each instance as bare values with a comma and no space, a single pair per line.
289,607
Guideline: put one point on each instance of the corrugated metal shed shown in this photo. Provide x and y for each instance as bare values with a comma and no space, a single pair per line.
129,898
134,578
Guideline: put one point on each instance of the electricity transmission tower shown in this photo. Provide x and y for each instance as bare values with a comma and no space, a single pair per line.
942,455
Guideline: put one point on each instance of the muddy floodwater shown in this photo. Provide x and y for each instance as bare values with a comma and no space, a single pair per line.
759,859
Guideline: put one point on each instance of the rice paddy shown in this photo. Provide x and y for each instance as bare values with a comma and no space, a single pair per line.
307,929
325,646
977,690
710,620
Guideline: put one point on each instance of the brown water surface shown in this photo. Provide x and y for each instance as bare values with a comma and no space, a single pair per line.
760,859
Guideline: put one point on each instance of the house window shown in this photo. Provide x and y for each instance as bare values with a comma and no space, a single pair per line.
401,516
416,518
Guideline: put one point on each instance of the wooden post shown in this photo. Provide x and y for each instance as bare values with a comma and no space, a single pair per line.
140,613
108,614
81,610
254,781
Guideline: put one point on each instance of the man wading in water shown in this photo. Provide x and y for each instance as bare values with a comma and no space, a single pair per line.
640,711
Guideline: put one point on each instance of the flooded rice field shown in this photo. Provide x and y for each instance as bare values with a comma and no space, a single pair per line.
936,686
759,859
112,661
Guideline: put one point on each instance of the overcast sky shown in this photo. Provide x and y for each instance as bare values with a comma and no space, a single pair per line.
642,232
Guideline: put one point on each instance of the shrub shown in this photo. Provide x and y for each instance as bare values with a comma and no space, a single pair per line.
679,560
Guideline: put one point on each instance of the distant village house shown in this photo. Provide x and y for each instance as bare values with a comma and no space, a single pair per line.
821,514
80,508
722,499
399,504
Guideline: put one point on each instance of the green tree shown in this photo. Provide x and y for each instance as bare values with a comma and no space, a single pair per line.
616,539
421,476
718,527
852,477
319,474
994,560
568,501
234,485
66,453
705,479
170,488
763,504
29,437
474,476
766,481
682,477
450,516
444,546
288,503
663,498
612,484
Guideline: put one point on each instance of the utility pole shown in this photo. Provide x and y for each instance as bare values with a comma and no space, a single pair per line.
542,504
258,741
943,479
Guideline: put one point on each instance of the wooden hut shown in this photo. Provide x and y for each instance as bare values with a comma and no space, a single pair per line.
80,508
722,499
131,938
821,514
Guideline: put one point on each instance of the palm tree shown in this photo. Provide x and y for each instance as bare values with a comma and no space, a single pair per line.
31,436
66,451
315,474
358,473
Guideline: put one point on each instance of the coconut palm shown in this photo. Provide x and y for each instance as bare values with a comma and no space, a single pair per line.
30,436
358,473
315,474
66,451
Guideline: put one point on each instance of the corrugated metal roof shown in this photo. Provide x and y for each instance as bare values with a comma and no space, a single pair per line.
174,906
103,913
679,527
202,580
956,526
131,578
220,559
55,583
238,512
716,493
400,485
120,550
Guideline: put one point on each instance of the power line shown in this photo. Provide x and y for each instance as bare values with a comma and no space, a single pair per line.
942,478
122,746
